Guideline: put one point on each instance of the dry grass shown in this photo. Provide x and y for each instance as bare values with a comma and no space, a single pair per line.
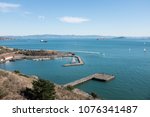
11,85
75,94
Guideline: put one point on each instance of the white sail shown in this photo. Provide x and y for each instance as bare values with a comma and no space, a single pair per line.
73,60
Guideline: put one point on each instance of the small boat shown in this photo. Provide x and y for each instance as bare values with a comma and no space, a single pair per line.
129,49
103,54
73,60
43,41
35,59
7,61
145,50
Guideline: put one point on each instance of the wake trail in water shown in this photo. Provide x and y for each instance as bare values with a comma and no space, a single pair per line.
86,52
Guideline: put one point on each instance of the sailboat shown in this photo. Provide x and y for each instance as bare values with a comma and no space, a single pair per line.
43,41
129,49
145,50
73,60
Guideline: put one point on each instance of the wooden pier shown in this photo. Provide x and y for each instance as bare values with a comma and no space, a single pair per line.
97,76
80,62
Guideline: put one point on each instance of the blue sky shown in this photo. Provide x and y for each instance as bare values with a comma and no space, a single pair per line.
80,17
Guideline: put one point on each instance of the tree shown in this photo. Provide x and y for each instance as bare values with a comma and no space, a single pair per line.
70,88
16,71
42,90
94,95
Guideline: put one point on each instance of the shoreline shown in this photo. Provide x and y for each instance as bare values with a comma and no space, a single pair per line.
17,81
11,54
14,55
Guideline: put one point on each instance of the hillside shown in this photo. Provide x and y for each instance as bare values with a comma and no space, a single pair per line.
11,84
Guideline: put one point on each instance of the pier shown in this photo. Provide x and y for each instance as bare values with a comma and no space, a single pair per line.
80,62
97,76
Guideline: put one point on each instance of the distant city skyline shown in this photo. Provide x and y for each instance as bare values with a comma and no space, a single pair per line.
75,17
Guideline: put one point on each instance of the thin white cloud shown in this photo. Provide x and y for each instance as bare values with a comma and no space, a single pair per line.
68,19
7,7
27,13
41,17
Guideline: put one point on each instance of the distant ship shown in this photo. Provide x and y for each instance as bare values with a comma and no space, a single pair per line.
120,37
101,38
43,41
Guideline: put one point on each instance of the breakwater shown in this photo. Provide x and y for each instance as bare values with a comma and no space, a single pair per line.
80,62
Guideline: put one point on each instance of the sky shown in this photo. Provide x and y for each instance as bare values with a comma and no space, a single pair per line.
75,17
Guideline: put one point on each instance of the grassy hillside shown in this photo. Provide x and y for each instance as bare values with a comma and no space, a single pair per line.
12,83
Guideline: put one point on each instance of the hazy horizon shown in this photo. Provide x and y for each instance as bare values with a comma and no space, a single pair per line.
84,35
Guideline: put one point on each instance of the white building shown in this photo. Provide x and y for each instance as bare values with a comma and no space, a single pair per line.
6,58
9,57
2,59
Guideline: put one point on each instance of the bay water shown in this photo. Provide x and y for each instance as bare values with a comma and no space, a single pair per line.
124,58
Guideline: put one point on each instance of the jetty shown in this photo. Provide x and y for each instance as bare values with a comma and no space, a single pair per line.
79,62
97,76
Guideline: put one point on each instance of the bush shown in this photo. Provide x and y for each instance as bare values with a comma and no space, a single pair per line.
16,71
70,88
42,90
94,95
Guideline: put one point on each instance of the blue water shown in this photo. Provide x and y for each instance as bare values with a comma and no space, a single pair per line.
130,67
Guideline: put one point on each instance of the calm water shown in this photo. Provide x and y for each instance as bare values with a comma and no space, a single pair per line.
130,66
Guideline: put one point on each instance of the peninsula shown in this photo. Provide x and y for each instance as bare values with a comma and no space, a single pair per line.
11,54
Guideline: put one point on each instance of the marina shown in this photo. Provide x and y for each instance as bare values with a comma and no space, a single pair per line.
76,61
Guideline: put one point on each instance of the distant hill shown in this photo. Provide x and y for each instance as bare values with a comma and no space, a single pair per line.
48,36
5,38
53,36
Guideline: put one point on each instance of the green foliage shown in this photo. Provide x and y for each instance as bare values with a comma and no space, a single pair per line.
70,88
17,71
42,90
94,95
36,53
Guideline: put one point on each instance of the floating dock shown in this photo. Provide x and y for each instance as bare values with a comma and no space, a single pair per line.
80,62
97,76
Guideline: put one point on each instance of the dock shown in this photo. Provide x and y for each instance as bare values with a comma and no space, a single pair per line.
80,62
97,76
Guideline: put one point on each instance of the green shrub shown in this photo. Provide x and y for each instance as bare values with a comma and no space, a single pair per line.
94,95
17,71
70,88
42,90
